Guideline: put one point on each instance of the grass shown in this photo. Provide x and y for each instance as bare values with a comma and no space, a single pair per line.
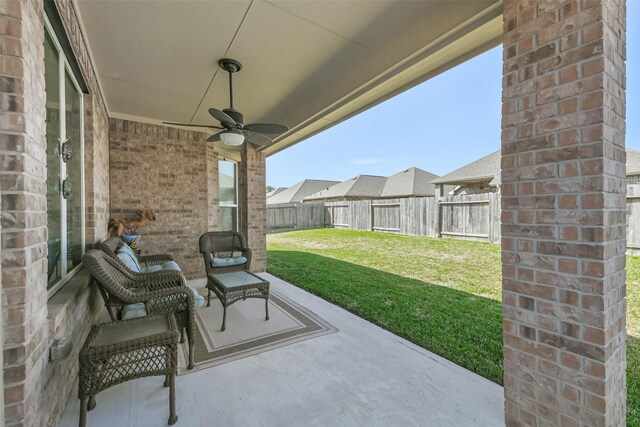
442,294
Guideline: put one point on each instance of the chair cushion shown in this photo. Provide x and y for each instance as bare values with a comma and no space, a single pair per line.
169,265
133,311
228,262
198,300
128,258
125,248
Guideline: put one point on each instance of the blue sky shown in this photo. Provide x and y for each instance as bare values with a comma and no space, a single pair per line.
451,120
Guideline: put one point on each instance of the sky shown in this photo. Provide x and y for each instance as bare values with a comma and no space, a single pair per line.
444,123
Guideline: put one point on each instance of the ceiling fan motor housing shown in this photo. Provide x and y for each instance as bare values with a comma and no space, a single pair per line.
235,115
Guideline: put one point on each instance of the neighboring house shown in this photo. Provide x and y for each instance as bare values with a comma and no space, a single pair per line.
413,182
358,188
479,176
483,176
276,191
296,193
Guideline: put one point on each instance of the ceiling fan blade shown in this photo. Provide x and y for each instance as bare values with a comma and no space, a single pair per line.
222,117
267,128
214,137
190,125
257,138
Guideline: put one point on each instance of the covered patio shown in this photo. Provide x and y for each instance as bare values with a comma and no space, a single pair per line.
102,77
359,375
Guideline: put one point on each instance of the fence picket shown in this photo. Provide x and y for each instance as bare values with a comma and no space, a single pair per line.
469,217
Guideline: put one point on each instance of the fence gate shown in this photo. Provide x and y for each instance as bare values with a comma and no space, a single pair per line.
466,217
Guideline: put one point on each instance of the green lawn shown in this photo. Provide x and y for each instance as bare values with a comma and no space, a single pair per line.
389,280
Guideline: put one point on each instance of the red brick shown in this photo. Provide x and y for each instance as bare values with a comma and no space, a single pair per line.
577,229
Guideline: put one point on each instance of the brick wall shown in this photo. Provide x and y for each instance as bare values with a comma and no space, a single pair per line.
563,212
253,204
36,389
23,166
170,172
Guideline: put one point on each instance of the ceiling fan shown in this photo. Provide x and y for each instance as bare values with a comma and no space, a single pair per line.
233,130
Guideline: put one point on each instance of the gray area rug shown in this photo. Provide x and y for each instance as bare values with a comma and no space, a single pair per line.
247,332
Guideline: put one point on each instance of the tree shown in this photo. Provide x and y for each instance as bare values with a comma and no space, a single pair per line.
270,189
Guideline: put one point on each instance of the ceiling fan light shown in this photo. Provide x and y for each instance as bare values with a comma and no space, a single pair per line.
232,138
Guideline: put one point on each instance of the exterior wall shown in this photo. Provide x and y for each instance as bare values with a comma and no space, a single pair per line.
473,189
563,212
34,388
22,128
171,173
253,204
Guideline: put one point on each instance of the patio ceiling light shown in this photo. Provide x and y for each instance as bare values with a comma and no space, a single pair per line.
232,138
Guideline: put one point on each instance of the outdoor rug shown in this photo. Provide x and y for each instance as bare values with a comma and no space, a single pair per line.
247,332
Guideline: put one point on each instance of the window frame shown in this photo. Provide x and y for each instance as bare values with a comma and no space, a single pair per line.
235,189
64,70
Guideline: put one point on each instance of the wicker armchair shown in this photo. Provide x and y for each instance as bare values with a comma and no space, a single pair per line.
220,246
111,245
159,292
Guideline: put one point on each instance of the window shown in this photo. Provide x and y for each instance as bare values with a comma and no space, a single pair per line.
65,166
228,218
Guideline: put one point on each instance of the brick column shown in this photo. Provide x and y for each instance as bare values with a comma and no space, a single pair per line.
22,182
564,212
253,204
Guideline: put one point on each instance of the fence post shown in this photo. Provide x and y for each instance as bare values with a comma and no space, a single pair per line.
371,207
438,196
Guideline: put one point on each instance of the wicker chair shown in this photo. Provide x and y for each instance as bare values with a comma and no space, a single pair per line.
111,245
160,292
219,246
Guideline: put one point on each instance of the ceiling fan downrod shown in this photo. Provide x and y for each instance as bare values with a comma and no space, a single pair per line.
230,66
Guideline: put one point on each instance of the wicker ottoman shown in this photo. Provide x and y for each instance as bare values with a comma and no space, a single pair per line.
237,286
120,351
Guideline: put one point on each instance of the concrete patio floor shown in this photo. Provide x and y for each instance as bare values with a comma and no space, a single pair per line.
359,376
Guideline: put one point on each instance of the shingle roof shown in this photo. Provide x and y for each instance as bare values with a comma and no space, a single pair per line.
488,168
299,191
276,191
483,169
361,186
411,182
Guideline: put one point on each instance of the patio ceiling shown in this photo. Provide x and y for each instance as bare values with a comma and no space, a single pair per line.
307,64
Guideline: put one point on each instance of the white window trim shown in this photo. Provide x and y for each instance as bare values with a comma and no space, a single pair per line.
235,189
63,65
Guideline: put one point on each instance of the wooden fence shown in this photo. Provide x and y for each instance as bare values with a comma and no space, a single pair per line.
474,217
296,216
471,217
633,215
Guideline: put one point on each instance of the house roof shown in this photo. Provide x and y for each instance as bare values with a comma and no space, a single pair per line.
361,186
299,191
488,169
483,169
276,191
410,182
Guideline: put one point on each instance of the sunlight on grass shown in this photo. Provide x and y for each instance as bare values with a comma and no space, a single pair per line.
442,294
